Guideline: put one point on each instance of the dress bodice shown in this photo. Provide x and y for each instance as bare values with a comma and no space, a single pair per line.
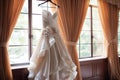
49,20
50,29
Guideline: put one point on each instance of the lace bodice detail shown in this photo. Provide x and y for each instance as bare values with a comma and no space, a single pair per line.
49,20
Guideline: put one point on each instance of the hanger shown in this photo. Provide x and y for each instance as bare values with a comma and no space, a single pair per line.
48,1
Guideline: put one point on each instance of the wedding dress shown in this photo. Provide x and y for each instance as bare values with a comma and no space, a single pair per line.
51,60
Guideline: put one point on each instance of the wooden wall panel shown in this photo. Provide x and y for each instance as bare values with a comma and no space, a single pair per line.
86,69
94,69
20,74
91,70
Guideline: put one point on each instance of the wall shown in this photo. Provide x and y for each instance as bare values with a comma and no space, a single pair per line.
94,69
20,74
91,70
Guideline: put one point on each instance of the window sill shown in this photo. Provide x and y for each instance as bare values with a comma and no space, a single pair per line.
81,60
90,59
19,66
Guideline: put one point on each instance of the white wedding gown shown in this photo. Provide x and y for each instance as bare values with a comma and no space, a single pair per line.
51,60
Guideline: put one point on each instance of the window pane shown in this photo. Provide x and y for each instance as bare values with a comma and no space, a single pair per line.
85,37
119,13
88,13
37,22
98,49
22,21
36,36
35,7
95,14
19,37
18,54
97,25
118,40
119,27
78,50
86,25
118,35
93,2
119,48
85,50
96,20
25,7
38,9
33,49
97,37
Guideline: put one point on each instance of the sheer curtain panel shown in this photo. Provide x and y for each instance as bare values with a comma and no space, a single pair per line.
109,15
9,12
71,15
114,2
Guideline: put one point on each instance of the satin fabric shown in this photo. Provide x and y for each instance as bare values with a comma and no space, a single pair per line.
51,60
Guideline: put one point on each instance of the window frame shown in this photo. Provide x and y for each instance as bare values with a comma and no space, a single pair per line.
30,35
91,34
30,31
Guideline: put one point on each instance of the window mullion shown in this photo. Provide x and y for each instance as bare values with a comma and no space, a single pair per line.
91,15
30,26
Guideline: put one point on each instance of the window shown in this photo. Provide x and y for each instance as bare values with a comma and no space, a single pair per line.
90,43
18,44
26,33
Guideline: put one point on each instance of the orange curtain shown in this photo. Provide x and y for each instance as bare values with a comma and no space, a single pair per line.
109,15
114,2
9,12
71,15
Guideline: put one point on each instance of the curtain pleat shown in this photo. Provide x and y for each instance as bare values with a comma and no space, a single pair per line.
9,12
109,15
114,2
71,16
